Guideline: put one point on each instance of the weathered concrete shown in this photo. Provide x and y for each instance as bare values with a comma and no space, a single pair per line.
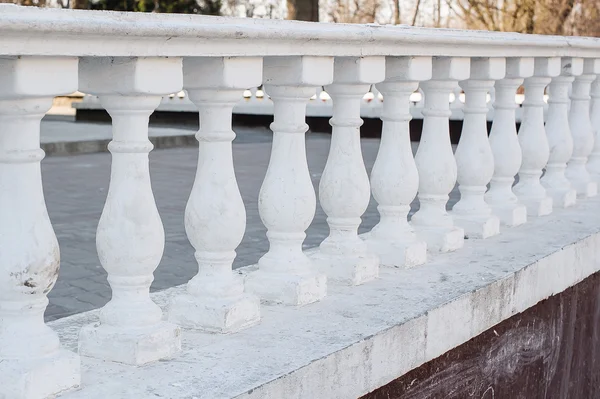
361,338
548,351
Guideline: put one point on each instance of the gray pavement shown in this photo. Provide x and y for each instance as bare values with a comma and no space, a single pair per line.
76,186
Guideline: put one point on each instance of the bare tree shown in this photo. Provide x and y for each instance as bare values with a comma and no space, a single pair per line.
303,10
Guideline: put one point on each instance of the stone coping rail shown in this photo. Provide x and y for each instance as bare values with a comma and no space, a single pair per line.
405,292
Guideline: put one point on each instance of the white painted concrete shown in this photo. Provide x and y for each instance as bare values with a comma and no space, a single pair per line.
32,362
143,34
474,156
130,238
215,216
344,190
560,137
360,338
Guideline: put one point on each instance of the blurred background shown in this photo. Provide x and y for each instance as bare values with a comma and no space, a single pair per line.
551,17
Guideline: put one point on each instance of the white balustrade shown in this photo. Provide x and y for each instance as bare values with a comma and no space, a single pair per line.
505,144
559,136
435,160
582,130
215,217
344,190
287,200
593,165
32,361
130,237
533,140
131,61
394,178
474,159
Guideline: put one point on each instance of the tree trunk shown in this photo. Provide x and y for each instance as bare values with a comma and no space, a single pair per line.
79,4
397,12
303,10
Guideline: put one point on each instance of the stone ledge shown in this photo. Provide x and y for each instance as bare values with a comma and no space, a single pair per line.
360,338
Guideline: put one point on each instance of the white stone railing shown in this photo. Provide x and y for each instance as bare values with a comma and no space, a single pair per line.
130,61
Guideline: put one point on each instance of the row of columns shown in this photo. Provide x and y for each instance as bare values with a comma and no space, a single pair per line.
130,237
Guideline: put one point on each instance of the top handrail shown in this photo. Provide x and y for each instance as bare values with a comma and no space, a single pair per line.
46,31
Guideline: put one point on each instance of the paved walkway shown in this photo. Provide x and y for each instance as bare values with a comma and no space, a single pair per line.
76,187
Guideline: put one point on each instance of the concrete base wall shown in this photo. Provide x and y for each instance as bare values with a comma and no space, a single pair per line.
551,350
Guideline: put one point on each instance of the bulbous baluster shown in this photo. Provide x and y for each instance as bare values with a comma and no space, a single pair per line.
505,144
582,130
594,158
435,160
344,190
130,238
287,200
215,217
532,138
394,178
32,362
559,135
474,157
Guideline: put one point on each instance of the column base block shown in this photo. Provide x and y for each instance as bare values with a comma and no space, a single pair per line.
399,254
563,198
511,215
349,270
134,346
538,207
441,239
287,289
587,190
40,378
226,315
482,227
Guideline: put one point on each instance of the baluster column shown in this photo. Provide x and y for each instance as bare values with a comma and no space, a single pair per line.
287,200
594,158
394,178
532,138
474,158
215,217
130,237
559,135
505,144
32,361
435,160
344,190
582,130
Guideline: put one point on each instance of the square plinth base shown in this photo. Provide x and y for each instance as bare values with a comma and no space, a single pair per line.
399,254
563,198
538,207
478,227
129,345
287,289
511,215
442,239
349,270
227,315
590,189
39,378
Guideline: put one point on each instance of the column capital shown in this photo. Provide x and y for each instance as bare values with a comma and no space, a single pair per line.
311,71
130,76
408,69
451,68
547,67
485,68
591,66
27,77
571,66
358,70
222,72
519,67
